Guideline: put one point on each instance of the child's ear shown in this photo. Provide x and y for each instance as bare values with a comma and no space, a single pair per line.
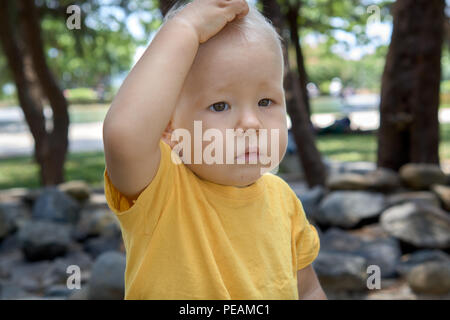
167,135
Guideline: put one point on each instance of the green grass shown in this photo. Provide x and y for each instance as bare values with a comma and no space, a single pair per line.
444,146
88,112
363,147
23,172
348,147
325,104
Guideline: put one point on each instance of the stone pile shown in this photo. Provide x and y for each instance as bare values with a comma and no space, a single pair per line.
399,222
46,231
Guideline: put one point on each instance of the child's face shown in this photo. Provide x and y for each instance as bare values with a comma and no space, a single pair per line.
243,76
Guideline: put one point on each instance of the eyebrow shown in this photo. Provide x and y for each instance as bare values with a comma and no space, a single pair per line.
201,99
261,84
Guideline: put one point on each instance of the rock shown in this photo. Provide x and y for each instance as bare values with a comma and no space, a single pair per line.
384,253
96,200
54,205
443,193
40,276
409,261
31,196
347,209
17,211
8,262
107,279
360,167
384,179
24,195
80,294
421,175
97,222
331,167
290,164
418,225
430,278
7,223
370,232
335,239
340,271
58,271
78,190
12,194
347,181
310,199
10,291
42,240
97,246
381,179
424,197
13,214
31,276
58,291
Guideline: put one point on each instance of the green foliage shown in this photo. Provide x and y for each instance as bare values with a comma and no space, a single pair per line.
322,19
80,95
325,17
323,65
101,49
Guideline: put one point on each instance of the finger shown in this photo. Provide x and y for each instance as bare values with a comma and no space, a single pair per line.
242,8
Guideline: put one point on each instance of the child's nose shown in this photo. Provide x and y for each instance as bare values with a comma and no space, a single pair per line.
249,119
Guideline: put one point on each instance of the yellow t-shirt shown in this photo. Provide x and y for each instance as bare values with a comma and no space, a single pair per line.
188,238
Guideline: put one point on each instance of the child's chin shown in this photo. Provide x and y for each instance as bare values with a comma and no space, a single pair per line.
244,175
239,175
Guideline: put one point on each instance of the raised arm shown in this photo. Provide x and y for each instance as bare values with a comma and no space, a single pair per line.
143,106
146,100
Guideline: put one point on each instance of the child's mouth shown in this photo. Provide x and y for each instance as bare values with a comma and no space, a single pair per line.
251,157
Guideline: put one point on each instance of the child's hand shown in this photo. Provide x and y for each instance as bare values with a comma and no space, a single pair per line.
208,17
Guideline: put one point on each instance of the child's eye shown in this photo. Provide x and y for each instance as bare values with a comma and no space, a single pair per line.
265,102
219,106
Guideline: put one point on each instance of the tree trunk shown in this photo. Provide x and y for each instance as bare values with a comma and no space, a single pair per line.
292,18
409,126
311,161
25,56
58,138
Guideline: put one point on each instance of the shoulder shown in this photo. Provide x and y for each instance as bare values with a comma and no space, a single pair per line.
156,191
273,181
280,190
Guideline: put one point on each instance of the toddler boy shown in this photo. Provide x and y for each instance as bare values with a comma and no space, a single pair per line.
189,140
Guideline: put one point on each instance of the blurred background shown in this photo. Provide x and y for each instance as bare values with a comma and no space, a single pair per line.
368,96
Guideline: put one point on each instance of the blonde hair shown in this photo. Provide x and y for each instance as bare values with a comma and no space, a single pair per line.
254,24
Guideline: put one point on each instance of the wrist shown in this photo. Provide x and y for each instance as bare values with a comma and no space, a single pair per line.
186,27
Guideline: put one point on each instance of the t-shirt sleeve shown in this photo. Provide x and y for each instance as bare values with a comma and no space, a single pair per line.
117,202
152,195
306,238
